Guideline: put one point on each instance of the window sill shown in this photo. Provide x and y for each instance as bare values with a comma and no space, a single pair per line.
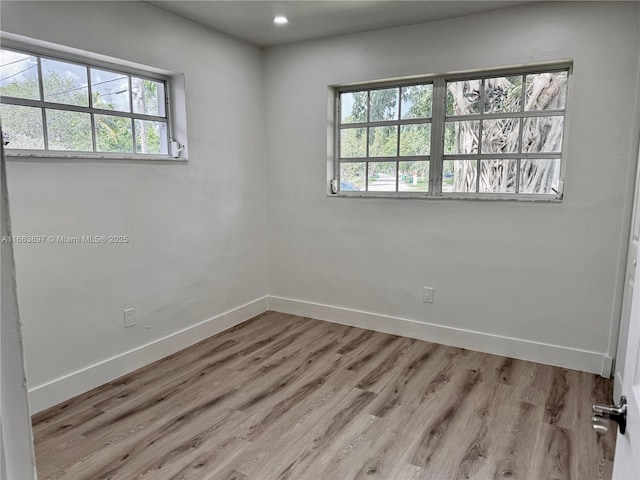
60,155
481,197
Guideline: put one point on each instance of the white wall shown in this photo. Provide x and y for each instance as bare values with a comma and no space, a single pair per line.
197,245
532,280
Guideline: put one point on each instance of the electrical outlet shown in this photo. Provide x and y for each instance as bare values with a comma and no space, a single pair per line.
129,320
428,295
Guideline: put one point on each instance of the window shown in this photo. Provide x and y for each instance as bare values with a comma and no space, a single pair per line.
496,135
50,104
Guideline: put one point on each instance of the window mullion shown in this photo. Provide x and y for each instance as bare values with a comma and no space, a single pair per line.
368,130
398,150
481,109
366,176
45,133
336,144
521,132
89,88
437,136
368,121
133,122
40,80
94,140
130,83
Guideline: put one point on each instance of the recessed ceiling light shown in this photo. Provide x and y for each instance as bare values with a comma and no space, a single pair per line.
280,20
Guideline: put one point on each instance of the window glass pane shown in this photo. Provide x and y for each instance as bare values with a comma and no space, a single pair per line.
461,137
69,130
383,104
382,177
19,75
353,142
463,98
415,139
498,176
148,96
546,91
383,141
110,90
23,125
151,137
113,134
352,176
542,134
503,94
65,82
459,175
416,101
539,176
353,107
414,177
500,135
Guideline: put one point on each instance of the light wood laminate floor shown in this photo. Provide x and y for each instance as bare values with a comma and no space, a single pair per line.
285,397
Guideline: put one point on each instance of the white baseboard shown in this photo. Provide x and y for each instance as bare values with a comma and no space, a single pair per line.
51,393
607,366
68,386
560,356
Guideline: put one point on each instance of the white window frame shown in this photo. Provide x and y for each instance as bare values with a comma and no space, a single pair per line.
438,120
176,151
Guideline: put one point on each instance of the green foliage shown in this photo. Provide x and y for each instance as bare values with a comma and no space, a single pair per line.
383,104
148,137
66,130
353,142
69,130
24,125
418,99
376,169
383,141
415,139
113,134
353,173
359,111
28,89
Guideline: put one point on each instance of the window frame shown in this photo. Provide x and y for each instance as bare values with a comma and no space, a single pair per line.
439,119
399,122
90,61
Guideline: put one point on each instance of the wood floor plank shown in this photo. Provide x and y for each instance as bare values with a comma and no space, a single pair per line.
295,422
286,397
338,458
603,448
135,455
214,456
444,426
152,372
354,452
513,427
290,438
318,439
197,376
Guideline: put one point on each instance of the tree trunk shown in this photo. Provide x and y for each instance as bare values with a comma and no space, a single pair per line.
539,134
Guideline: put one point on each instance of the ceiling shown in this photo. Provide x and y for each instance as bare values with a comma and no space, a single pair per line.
308,19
